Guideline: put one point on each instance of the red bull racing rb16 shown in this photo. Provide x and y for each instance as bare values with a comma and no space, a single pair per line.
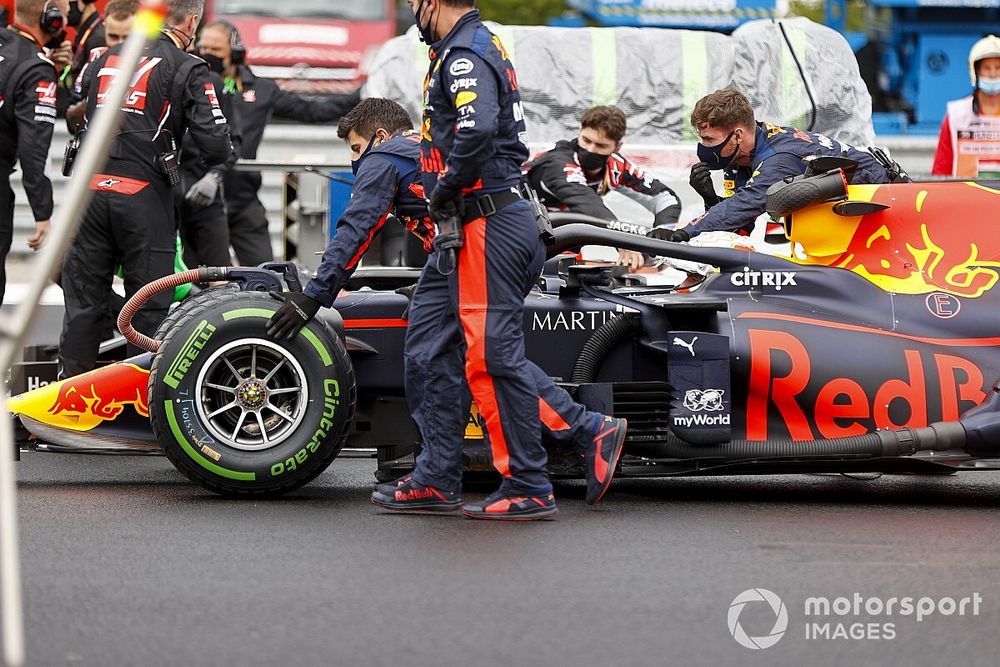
874,348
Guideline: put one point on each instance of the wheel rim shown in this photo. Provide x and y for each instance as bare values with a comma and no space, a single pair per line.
251,394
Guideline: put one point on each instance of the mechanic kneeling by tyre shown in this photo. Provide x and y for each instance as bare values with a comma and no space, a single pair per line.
386,161
131,219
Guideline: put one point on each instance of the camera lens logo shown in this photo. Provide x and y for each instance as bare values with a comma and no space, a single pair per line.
780,618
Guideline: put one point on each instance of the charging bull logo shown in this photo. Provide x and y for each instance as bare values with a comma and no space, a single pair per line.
83,402
102,394
933,238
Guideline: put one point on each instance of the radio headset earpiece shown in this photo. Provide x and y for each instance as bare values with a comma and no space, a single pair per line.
52,21
239,51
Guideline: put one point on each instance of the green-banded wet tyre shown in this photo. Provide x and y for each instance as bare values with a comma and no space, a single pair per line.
239,413
205,295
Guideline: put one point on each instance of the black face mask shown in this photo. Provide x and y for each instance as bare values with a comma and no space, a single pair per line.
215,63
426,34
75,15
590,161
712,155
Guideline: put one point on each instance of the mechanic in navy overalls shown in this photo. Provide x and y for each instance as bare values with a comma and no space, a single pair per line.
385,160
466,318
754,157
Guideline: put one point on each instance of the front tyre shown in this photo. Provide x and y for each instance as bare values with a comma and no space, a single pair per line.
241,414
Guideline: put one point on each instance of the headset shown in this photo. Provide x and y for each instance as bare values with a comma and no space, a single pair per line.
238,50
52,21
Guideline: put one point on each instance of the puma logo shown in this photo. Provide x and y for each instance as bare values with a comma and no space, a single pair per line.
689,346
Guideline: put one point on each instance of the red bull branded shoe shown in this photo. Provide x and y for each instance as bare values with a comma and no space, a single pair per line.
389,488
602,457
412,496
502,507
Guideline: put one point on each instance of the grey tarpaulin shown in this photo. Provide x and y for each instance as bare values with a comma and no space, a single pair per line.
769,76
656,75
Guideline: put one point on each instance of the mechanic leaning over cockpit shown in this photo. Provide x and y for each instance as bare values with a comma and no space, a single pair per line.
755,155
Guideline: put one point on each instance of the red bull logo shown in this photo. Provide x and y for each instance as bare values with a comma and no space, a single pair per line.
792,389
933,237
85,401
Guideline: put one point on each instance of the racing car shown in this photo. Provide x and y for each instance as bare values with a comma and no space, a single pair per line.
873,347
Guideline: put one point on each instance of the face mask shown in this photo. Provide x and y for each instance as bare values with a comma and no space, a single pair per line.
215,63
990,86
590,161
185,39
75,15
712,155
356,164
426,33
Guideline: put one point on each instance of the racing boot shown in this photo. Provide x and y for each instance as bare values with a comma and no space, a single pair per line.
412,496
502,507
602,457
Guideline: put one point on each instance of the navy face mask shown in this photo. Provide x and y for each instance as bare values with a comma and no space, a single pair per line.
356,164
712,155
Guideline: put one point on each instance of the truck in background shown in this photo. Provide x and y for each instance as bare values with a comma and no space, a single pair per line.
312,47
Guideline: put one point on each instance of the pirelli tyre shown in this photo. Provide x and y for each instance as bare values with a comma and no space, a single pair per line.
239,413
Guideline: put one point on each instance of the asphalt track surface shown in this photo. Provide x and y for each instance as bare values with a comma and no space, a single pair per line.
125,563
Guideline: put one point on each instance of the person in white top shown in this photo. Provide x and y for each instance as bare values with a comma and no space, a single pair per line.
969,141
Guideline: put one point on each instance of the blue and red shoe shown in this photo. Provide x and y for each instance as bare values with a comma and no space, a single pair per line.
412,496
389,488
602,457
503,507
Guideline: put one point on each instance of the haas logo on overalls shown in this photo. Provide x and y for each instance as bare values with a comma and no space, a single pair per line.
135,98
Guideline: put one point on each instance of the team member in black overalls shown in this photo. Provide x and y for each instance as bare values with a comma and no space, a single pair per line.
466,322
89,25
257,99
200,200
27,114
131,220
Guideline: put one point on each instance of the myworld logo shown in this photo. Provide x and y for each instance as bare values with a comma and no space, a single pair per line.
777,608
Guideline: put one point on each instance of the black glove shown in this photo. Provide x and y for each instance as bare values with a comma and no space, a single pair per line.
668,217
673,235
445,204
701,181
295,313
